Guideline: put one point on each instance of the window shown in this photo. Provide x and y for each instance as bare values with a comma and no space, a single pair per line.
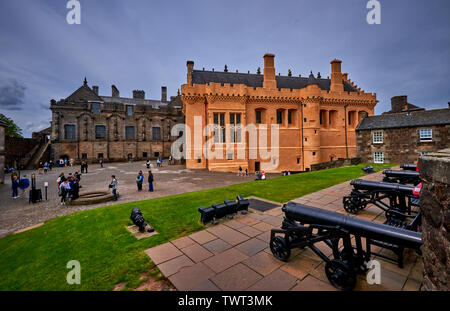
378,157
95,108
279,116
100,132
258,116
289,117
199,160
84,155
156,154
426,135
156,133
298,160
229,156
235,127
314,153
69,132
304,119
129,110
377,137
129,132
100,156
219,127
144,154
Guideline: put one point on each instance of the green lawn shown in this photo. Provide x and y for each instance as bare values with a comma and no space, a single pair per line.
109,254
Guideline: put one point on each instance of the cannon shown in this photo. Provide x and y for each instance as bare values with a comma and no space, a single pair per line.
409,166
401,176
137,219
365,192
227,208
242,204
207,214
304,226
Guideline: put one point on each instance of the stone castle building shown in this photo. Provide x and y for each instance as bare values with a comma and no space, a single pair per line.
316,117
89,126
403,134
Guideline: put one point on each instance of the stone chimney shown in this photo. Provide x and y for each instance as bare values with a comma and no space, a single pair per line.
138,94
336,76
114,91
190,68
95,89
163,93
398,103
269,72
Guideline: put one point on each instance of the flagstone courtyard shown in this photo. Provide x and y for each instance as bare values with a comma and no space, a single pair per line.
16,214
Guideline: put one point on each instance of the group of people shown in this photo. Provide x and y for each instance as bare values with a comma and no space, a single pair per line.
260,175
140,180
159,162
68,187
84,167
286,173
241,172
45,167
65,162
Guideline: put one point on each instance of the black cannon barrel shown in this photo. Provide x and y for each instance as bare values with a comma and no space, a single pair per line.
364,228
401,173
362,184
408,166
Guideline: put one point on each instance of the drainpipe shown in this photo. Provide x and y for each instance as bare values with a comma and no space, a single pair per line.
206,138
303,150
345,118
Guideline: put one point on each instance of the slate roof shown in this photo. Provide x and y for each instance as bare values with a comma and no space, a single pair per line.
405,119
256,80
84,92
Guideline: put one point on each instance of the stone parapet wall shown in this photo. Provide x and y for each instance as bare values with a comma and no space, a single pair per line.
435,207
336,163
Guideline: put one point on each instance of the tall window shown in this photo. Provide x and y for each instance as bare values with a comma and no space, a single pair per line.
100,132
235,127
129,132
279,116
219,127
378,157
258,116
95,108
129,110
156,133
69,132
426,134
377,137
289,117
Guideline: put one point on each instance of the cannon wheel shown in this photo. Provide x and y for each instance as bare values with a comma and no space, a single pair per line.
279,248
340,274
353,204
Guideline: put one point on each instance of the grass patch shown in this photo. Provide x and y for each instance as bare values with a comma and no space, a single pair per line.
109,254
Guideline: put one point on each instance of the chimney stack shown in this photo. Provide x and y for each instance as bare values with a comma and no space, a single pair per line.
190,68
114,91
163,93
95,89
138,94
398,103
269,72
336,76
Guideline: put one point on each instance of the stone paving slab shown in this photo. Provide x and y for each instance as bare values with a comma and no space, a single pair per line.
235,254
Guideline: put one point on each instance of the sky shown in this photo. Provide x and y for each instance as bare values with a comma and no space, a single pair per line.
145,44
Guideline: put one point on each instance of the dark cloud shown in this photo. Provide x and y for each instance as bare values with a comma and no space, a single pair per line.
12,95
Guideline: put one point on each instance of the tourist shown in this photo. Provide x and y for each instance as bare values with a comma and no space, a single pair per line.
148,164
86,166
75,190
240,171
170,160
15,187
71,162
50,165
82,167
77,175
41,166
150,181
158,163
113,186
258,175
246,172
263,175
60,179
139,180
46,168
65,190
101,162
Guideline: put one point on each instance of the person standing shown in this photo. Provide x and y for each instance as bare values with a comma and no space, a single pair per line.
113,186
139,180
240,171
65,189
150,181
101,163
75,190
148,164
86,166
82,167
15,187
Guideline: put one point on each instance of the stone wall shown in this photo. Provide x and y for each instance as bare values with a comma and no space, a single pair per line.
435,207
336,163
17,148
401,145
2,153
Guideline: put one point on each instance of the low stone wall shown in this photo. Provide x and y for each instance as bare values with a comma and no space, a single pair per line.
336,163
434,204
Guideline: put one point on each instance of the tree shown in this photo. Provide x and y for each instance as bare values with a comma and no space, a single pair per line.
11,129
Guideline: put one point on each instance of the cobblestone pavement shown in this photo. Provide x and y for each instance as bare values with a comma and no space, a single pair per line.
234,255
17,214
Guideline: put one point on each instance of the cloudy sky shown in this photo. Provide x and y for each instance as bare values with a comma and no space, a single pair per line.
145,44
